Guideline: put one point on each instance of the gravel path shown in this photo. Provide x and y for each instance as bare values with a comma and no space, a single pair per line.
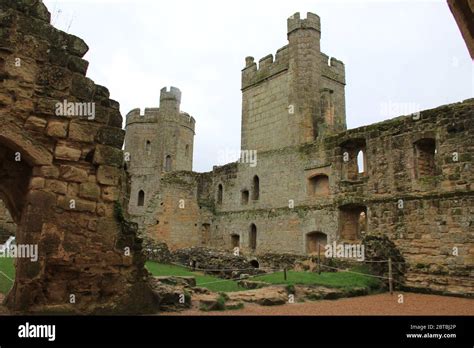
382,304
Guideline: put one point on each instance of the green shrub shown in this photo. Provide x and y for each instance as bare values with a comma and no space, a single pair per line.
290,289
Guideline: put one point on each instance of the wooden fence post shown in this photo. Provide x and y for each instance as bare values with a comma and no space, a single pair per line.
390,276
319,259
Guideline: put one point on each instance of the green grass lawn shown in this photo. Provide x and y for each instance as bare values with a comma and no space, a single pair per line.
329,279
7,267
202,280
338,280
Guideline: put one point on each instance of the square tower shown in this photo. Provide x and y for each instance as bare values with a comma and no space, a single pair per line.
296,97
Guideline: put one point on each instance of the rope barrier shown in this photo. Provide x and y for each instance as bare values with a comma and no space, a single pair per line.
220,269
10,279
344,270
374,261
233,279
280,270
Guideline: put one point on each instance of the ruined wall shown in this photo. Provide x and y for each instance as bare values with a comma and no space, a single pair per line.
411,184
7,225
61,174
176,214
437,207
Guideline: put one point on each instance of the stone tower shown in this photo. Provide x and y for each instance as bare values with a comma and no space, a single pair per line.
295,98
157,141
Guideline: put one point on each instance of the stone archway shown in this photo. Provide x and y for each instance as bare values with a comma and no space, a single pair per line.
62,174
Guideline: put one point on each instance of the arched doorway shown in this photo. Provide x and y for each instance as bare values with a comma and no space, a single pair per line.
16,183
7,243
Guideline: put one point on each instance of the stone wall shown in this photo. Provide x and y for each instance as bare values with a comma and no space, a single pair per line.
7,225
434,219
299,95
61,174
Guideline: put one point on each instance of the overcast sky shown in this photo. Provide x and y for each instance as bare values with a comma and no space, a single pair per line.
398,54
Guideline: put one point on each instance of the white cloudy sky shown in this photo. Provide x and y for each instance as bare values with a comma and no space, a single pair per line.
405,52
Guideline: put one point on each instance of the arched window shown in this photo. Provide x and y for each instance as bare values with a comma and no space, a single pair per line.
253,237
219,194
315,241
141,198
354,159
168,163
360,162
256,188
148,147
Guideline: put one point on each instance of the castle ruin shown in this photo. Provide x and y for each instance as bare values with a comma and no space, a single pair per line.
315,182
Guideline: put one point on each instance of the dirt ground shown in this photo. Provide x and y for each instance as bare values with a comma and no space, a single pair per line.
381,304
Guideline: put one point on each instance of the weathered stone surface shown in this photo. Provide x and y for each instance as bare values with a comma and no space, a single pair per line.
37,183
110,136
82,131
222,264
70,173
110,193
107,175
157,252
35,123
175,280
67,153
268,296
49,181
252,284
57,129
108,156
170,297
90,190
56,186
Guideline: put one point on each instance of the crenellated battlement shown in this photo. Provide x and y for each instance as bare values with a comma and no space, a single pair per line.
172,93
169,111
267,67
333,69
155,115
149,115
293,81
183,119
312,21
